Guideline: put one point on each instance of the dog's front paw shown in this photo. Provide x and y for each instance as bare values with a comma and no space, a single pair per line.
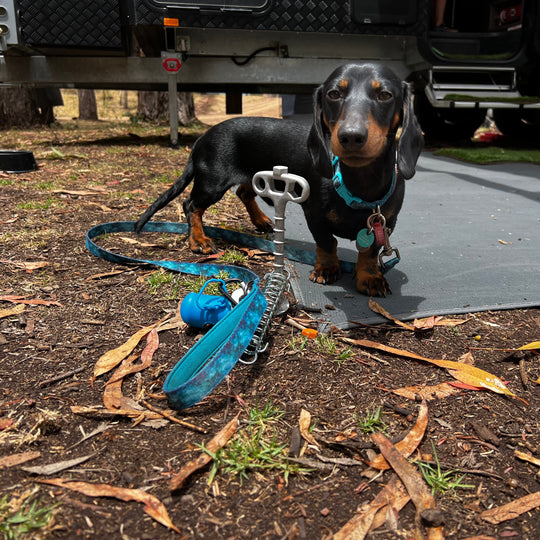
372,285
369,278
325,274
326,268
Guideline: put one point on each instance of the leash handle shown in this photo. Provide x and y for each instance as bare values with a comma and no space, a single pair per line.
280,187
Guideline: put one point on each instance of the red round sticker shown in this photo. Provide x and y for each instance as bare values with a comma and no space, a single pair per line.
172,64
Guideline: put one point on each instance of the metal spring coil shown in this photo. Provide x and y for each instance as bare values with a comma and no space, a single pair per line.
276,284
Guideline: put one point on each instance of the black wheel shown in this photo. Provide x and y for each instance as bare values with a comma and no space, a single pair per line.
517,123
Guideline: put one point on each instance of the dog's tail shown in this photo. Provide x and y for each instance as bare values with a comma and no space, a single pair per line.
166,197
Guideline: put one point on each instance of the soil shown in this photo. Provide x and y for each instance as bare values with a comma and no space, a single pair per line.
90,173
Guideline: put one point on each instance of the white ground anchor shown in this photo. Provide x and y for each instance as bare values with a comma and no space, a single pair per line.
281,187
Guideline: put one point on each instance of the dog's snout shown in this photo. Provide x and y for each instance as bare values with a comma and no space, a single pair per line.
352,137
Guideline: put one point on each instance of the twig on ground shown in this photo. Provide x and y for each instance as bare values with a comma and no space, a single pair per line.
61,377
170,417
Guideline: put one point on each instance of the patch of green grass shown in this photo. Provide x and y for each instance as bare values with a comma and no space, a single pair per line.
164,283
254,448
166,178
439,481
372,422
31,516
492,99
329,346
196,283
267,414
491,154
6,182
45,186
48,203
297,343
173,286
31,238
326,345
233,256
57,154
343,355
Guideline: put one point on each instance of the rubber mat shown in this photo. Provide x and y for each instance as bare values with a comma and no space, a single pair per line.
469,240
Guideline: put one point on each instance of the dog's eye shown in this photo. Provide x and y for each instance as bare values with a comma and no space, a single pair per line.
334,94
384,96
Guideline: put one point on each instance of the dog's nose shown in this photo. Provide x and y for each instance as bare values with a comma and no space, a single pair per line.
352,137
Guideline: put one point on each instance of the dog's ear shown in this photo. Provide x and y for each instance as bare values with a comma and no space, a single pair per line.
318,143
411,140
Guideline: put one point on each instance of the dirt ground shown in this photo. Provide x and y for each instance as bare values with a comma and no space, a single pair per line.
62,309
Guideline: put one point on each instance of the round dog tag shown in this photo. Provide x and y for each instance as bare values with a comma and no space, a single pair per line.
364,240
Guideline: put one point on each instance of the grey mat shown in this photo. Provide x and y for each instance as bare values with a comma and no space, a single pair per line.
469,239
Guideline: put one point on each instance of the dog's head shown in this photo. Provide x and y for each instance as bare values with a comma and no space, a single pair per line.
357,113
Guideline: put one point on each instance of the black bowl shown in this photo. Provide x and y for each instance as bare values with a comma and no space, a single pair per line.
17,161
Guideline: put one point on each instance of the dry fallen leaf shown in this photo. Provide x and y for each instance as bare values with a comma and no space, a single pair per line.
435,320
218,441
527,457
113,357
30,301
18,459
12,311
409,443
530,346
304,422
133,241
463,372
381,311
146,358
413,481
370,516
426,324
512,509
438,391
28,266
152,505
55,468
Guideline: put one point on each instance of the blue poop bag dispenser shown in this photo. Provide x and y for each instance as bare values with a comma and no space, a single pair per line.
200,310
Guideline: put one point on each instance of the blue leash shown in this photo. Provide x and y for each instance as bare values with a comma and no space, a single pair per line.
207,363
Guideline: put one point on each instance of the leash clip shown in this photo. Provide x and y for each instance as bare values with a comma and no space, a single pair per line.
389,264
376,224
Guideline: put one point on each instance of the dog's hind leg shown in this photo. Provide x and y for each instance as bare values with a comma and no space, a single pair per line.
199,242
259,219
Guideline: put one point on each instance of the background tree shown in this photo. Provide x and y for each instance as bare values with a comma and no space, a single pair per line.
154,107
21,106
87,105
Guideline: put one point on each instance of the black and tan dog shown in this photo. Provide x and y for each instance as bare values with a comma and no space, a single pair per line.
351,156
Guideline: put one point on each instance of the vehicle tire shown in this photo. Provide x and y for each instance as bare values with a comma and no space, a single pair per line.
517,123
446,124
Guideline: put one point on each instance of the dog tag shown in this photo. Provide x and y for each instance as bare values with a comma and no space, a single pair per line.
380,234
364,240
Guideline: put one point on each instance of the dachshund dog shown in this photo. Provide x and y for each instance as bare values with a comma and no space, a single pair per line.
364,142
